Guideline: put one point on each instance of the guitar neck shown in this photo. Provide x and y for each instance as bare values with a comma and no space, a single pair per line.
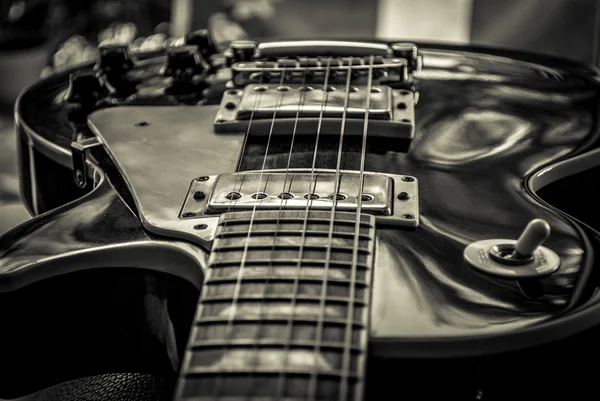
284,308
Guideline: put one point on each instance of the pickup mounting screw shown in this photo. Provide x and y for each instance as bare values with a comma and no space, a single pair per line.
408,179
199,195
188,214
403,196
204,178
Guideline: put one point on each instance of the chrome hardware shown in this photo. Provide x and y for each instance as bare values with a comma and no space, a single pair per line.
312,70
292,191
391,111
79,151
523,258
322,48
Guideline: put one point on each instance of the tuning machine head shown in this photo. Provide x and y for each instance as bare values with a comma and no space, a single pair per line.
86,89
114,59
204,40
182,63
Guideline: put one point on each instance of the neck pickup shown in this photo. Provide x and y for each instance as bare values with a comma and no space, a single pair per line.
392,199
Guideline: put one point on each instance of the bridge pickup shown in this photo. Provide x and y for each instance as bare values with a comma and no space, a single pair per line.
299,107
392,199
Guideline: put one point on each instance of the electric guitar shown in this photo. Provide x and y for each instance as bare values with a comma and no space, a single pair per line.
305,220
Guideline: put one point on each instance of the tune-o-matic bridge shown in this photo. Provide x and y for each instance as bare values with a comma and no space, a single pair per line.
392,199
314,70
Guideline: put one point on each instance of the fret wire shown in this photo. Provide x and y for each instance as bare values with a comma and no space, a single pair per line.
229,327
312,391
350,317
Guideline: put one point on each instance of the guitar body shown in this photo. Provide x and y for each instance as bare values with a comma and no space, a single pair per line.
137,198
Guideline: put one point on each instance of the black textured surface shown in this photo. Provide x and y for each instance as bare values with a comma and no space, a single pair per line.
109,387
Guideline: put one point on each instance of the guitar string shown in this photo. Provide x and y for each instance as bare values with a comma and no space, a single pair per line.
234,201
236,292
322,304
350,317
290,322
283,202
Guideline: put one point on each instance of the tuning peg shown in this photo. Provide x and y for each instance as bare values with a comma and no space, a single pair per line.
204,40
183,62
114,59
86,88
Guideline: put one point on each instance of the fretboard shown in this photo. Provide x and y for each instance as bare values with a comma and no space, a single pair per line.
283,313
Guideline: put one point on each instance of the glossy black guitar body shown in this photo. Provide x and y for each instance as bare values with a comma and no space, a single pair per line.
107,276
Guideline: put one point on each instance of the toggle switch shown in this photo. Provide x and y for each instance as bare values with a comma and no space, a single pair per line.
524,257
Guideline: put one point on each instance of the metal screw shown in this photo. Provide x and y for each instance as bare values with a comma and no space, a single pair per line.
79,177
408,216
408,179
204,178
403,196
230,105
189,214
200,227
199,195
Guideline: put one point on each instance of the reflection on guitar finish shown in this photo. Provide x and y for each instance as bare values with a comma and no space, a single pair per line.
333,193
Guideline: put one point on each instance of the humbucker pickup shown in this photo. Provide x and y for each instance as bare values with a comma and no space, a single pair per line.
392,199
283,109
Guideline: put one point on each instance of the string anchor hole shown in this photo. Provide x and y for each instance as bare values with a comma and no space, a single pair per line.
305,88
366,197
261,88
375,90
311,196
283,88
330,88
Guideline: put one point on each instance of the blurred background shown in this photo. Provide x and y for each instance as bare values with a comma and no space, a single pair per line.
38,37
